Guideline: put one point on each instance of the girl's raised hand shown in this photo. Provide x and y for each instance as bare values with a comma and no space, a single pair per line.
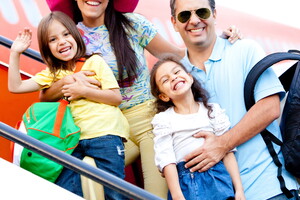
22,42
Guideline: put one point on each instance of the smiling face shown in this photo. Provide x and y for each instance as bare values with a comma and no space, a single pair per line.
195,32
93,11
61,43
172,81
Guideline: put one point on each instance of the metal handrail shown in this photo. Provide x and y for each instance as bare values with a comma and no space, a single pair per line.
29,52
75,164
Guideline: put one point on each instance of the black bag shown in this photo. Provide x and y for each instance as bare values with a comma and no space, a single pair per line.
290,118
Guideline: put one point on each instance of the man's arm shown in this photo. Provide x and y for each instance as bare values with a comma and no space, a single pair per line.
215,148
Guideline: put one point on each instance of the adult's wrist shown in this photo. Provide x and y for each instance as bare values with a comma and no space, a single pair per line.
227,140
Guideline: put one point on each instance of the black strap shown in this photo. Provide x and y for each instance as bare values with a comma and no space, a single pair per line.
258,69
269,138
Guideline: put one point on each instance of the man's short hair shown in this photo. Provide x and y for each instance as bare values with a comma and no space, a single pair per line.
212,5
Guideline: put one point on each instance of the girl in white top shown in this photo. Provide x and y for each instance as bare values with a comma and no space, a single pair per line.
182,110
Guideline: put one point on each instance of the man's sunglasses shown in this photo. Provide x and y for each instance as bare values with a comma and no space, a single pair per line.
202,13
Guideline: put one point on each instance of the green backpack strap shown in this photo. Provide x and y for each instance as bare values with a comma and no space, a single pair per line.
79,64
59,117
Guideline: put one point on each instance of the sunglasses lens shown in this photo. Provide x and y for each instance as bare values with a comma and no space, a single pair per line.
203,13
184,16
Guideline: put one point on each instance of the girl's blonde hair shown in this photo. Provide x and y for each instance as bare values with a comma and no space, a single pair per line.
52,62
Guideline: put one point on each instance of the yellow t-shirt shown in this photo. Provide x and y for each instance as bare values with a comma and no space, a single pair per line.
94,119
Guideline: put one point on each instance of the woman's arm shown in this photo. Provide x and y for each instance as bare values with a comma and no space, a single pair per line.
54,93
159,46
171,176
78,89
232,167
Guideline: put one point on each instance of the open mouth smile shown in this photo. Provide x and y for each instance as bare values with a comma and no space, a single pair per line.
93,3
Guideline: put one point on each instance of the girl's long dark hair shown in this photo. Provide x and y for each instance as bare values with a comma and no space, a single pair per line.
199,93
51,61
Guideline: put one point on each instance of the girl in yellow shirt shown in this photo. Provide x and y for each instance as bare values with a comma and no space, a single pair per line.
103,126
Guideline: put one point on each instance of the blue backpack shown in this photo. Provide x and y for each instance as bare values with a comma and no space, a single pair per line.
290,118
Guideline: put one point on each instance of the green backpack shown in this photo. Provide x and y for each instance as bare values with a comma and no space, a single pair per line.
53,124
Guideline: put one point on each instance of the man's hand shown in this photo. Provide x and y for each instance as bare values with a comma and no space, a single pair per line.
206,156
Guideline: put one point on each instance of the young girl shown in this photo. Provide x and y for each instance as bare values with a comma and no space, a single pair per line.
103,126
183,110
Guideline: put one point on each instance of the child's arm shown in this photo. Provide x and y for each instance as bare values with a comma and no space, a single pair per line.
171,177
79,90
232,167
15,83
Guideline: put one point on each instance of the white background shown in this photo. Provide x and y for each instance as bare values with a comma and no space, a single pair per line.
286,12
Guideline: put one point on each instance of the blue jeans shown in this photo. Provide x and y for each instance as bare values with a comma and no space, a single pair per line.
212,184
283,197
108,153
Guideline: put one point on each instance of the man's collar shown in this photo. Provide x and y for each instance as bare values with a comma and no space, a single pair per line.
217,52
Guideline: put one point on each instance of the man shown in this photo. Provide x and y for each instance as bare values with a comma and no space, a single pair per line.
222,68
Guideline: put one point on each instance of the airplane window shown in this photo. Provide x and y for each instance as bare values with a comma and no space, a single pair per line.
9,12
32,11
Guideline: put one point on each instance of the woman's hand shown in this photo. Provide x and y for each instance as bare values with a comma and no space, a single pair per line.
75,90
89,82
232,33
54,93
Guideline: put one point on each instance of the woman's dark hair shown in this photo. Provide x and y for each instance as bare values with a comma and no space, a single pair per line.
51,61
117,24
199,93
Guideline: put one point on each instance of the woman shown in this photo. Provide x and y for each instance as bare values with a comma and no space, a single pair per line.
109,28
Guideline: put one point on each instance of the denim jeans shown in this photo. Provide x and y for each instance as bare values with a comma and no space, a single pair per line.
212,184
283,197
108,153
